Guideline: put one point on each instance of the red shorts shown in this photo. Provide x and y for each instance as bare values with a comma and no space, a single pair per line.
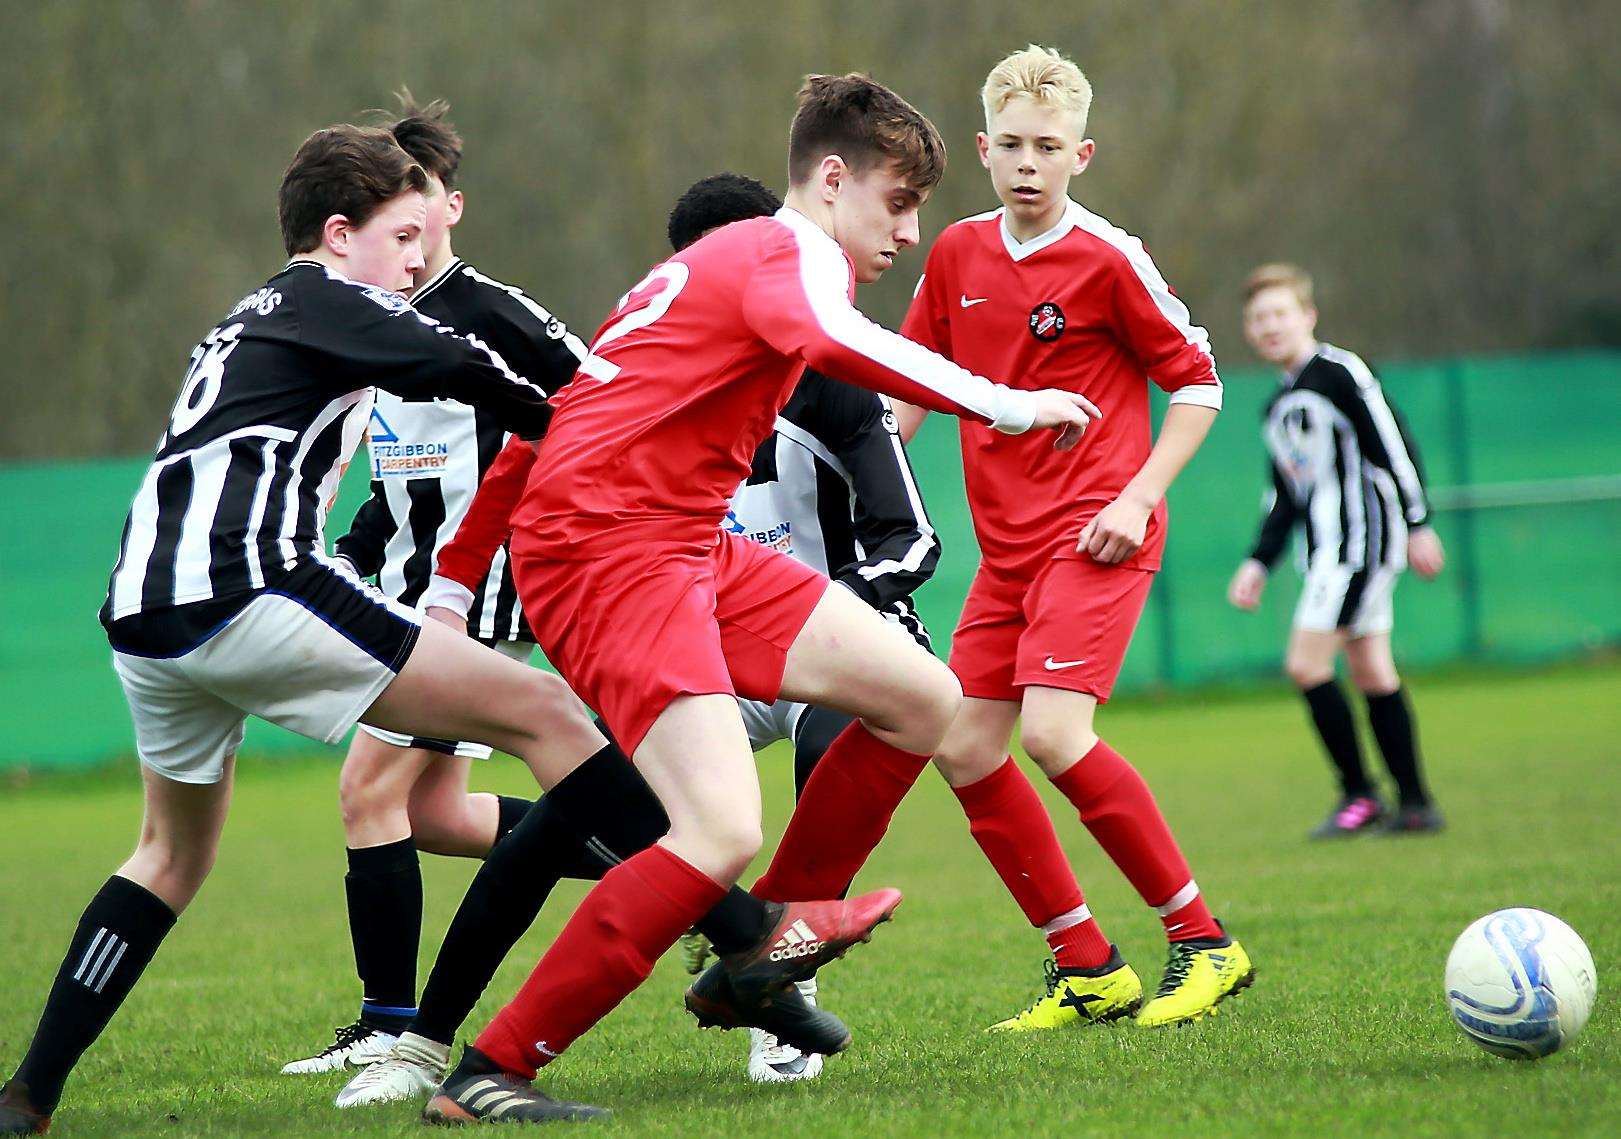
1069,629
633,631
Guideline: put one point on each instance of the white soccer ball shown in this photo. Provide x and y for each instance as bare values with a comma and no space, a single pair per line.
1520,983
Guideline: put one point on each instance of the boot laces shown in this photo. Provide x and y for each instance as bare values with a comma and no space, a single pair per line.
1177,968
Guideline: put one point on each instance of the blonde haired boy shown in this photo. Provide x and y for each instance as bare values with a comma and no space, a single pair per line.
1045,293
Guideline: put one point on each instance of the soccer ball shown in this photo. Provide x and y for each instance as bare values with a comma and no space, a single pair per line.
1520,983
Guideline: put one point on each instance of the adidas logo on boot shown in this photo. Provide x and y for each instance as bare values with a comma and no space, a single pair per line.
798,940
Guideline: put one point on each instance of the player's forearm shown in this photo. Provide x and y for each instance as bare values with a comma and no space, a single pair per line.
427,359
448,593
890,522
1180,436
368,534
1270,541
875,358
908,418
898,563
467,557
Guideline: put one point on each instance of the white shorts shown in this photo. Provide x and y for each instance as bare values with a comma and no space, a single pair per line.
311,655
1359,601
768,723
519,651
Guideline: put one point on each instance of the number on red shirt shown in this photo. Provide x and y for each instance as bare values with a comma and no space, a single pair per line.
670,278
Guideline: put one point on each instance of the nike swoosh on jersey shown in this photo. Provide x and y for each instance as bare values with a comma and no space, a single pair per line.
1054,665
968,302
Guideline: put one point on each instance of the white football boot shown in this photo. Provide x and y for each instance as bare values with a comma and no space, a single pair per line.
411,1070
772,1062
353,1045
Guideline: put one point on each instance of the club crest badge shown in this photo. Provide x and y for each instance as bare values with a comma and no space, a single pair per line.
1046,322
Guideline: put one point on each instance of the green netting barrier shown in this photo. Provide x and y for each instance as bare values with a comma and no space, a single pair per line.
1524,455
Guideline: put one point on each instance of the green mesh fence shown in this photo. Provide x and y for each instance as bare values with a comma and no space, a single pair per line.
1524,454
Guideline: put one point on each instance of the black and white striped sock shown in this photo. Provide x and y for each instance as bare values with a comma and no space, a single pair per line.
120,931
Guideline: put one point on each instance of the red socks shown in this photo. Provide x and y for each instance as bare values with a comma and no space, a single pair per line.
1076,940
1119,809
607,949
840,817
1007,819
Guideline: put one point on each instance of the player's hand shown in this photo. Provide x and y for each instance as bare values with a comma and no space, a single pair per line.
1065,412
448,617
1424,553
1244,591
1115,532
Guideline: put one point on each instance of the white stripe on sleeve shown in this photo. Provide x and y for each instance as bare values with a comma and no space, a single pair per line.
926,540
1199,395
1384,421
1169,304
825,276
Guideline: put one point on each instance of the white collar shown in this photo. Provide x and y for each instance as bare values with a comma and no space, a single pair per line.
1019,250
799,223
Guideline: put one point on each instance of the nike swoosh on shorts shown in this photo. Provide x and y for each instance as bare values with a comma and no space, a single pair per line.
1054,665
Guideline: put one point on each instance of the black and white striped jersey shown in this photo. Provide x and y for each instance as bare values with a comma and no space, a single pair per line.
1343,465
831,486
428,455
270,412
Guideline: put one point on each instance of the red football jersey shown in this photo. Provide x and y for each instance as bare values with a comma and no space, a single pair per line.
685,380
1080,307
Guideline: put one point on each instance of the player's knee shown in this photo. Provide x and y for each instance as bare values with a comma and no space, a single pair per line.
721,849
366,797
1305,673
963,760
741,843
937,702
1375,681
1054,745
1373,674
438,825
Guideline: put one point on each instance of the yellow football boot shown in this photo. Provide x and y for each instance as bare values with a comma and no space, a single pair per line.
1198,976
695,951
1080,996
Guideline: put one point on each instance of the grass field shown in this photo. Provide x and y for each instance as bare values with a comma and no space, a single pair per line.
1345,1031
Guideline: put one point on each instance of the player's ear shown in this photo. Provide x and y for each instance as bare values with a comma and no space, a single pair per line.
983,142
831,172
335,233
453,207
1083,155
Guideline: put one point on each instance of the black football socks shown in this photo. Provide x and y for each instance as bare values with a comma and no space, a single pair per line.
606,794
1392,722
818,728
509,813
117,935
608,798
500,904
1331,713
384,888
509,889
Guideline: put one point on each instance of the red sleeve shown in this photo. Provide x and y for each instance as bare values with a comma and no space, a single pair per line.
1156,327
466,558
798,300
928,320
